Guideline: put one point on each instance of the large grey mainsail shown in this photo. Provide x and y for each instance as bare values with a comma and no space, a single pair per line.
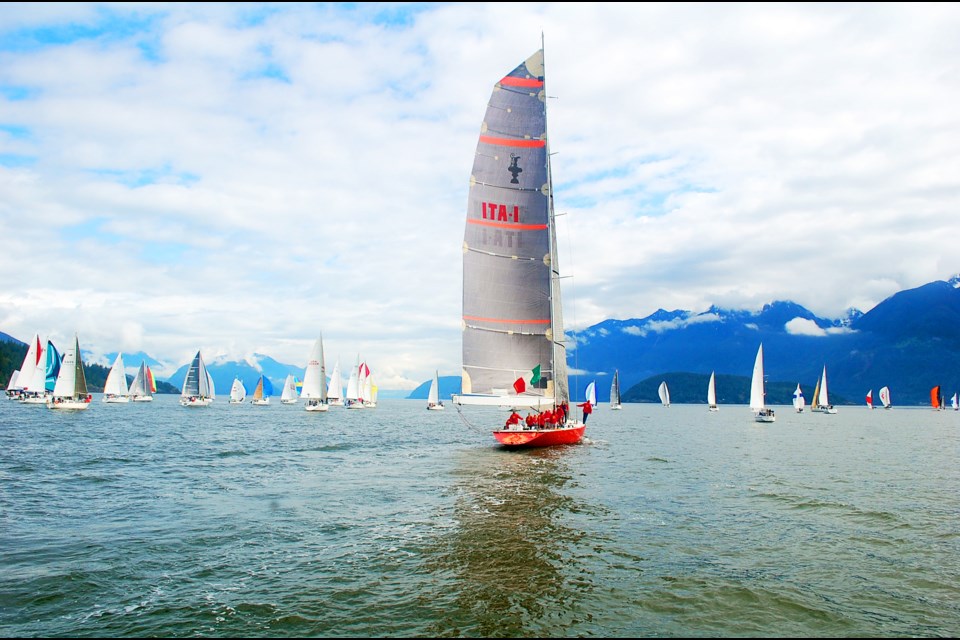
512,322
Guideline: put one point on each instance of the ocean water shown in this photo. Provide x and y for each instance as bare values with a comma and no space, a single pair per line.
158,520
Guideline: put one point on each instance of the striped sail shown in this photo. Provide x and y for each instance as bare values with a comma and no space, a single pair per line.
198,381
512,319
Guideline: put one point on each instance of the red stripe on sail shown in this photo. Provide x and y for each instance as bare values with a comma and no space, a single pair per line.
506,320
521,82
511,225
513,142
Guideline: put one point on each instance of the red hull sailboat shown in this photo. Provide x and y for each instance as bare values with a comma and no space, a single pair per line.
514,351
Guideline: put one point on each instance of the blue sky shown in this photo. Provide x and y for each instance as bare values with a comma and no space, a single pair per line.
240,177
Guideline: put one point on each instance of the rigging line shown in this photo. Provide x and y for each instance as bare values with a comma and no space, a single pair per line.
500,186
573,306
512,333
503,255
463,418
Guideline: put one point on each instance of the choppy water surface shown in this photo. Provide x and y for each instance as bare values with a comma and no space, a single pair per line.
158,520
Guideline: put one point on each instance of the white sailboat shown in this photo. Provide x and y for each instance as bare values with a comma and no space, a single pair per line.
955,402
143,385
262,392
664,394
870,398
798,401
885,397
198,389
115,389
758,392
335,388
238,392
314,393
433,397
712,392
14,389
514,349
289,394
353,399
70,391
615,391
823,399
33,377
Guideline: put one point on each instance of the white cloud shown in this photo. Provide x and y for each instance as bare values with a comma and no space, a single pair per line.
238,180
804,327
660,326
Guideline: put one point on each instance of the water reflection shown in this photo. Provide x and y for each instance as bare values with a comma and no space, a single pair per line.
512,556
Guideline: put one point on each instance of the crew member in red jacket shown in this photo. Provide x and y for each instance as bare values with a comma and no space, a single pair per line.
587,410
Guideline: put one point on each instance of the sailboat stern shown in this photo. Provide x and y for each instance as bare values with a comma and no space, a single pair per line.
541,437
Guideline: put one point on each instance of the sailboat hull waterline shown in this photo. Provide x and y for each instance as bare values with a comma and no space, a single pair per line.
540,437
514,348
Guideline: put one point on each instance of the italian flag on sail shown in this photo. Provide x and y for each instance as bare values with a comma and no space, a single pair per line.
528,379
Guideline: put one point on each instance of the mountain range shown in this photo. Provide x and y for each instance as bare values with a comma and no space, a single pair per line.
910,342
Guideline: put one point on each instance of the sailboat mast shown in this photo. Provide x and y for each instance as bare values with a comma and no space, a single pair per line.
557,338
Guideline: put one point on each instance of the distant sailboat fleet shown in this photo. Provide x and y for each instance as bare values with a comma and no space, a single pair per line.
44,367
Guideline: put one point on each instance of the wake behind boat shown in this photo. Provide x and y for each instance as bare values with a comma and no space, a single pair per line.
514,351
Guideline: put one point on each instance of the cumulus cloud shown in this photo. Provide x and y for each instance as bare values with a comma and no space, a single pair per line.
804,327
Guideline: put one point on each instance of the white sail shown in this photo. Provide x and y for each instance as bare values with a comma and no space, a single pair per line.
140,389
115,388
798,401
664,394
353,400
870,398
238,392
823,402
33,373
590,393
289,393
314,390
757,401
433,396
885,397
335,388
12,386
824,397
29,364
712,392
70,390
